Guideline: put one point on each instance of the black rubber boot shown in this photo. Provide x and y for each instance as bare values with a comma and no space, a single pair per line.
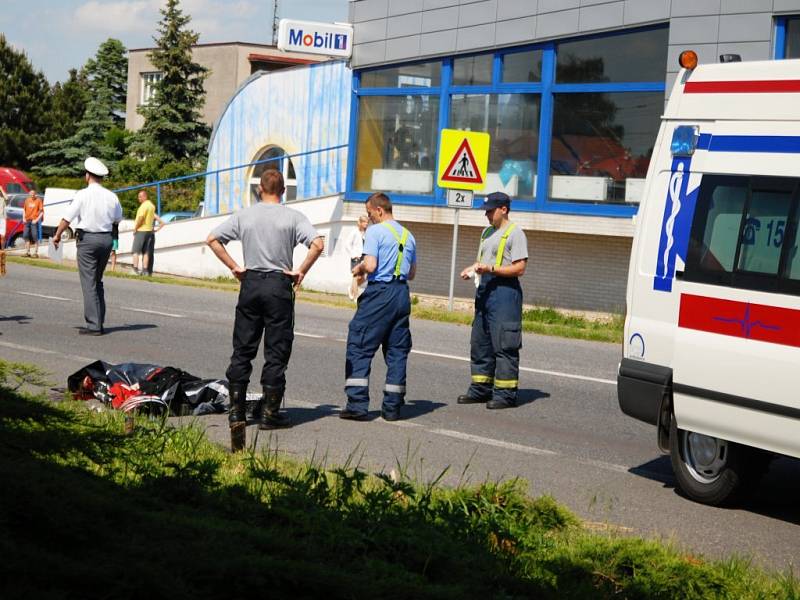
237,415
271,417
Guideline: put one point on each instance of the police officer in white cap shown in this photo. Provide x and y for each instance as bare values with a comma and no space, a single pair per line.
99,212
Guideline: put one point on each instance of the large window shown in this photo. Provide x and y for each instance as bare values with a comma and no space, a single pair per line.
634,56
397,139
596,101
744,233
601,145
512,121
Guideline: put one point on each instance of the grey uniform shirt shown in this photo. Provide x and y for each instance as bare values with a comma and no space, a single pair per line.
269,234
516,246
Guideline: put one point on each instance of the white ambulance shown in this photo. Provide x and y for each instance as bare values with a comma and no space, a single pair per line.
712,334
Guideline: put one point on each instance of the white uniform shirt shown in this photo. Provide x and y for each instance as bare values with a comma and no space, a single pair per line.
96,207
354,244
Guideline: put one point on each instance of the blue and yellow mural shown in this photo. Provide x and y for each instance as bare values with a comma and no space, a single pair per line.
300,110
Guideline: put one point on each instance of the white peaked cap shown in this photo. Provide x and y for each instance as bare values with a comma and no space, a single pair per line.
95,167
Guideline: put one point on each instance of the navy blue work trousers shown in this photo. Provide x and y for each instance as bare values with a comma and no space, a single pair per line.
381,319
496,339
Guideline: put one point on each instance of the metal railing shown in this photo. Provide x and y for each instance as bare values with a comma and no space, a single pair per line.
215,173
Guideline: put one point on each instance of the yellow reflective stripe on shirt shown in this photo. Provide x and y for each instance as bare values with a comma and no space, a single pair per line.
502,247
486,233
506,383
401,241
482,379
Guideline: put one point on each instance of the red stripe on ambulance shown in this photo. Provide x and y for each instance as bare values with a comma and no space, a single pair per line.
742,87
760,322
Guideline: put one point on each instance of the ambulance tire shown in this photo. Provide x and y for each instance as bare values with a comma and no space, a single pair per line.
723,479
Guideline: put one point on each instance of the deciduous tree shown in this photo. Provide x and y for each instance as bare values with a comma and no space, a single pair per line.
24,107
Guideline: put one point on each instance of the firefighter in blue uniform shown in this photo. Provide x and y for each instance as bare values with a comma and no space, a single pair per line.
382,316
497,327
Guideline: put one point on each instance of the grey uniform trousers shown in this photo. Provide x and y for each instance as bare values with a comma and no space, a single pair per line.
93,252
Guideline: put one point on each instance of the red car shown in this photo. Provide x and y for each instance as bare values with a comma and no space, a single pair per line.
12,182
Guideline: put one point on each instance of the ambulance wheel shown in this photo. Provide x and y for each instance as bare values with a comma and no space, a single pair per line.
708,470
66,235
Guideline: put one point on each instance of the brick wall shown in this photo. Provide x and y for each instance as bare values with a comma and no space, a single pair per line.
583,272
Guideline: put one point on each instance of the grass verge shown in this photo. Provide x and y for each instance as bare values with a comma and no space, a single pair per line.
544,321
88,512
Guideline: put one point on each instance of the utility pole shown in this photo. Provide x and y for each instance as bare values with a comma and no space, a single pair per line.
275,22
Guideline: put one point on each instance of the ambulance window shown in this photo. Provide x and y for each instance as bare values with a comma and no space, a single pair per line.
793,254
716,226
764,231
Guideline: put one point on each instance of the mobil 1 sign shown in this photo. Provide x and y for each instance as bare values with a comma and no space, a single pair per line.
328,39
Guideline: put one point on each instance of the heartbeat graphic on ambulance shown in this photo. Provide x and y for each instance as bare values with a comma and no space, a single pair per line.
746,324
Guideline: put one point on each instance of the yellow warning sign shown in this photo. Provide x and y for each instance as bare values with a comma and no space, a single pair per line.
463,158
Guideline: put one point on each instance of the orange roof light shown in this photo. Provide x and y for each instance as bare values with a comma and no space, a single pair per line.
688,59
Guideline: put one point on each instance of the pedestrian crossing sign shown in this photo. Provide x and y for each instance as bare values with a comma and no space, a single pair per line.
463,158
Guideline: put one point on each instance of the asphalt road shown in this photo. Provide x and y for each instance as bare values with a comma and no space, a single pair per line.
568,437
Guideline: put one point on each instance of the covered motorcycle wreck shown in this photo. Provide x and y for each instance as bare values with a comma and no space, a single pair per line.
149,388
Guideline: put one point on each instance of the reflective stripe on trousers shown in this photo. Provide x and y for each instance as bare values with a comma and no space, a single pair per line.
496,339
382,319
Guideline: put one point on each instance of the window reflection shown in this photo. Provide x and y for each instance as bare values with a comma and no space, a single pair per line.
397,138
522,67
512,121
473,70
417,75
632,56
601,145
792,38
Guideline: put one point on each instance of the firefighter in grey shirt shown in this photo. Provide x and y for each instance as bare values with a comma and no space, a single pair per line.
269,232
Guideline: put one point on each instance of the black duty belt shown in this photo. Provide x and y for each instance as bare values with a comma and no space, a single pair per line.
251,274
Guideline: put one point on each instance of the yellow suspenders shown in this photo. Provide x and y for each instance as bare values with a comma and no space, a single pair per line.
500,248
401,243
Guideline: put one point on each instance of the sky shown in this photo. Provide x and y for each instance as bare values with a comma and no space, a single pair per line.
58,35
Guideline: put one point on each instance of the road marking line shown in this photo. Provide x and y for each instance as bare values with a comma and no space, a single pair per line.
602,465
492,442
45,296
479,439
527,369
466,359
36,350
153,312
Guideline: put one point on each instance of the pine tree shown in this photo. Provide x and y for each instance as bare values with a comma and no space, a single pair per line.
109,70
69,101
103,116
173,130
24,107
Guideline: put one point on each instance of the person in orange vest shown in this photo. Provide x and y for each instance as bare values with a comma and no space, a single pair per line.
32,213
